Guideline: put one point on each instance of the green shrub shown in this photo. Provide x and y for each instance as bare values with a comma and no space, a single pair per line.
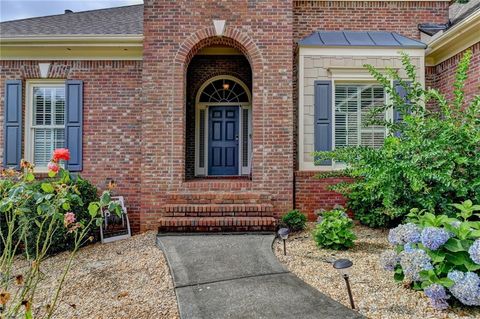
429,160
294,220
61,240
334,230
439,254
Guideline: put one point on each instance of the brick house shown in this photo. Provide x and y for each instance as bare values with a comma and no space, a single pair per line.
205,113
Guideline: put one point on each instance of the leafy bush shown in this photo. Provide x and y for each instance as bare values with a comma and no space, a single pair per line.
439,254
429,160
61,240
31,214
334,230
294,220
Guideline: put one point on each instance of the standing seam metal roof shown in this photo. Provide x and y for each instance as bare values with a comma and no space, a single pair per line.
360,38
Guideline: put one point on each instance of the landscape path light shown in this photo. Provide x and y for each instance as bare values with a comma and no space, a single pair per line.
343,267
283,233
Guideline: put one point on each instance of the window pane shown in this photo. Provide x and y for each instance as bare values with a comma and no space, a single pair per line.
60,106
45,142
353,103
48,122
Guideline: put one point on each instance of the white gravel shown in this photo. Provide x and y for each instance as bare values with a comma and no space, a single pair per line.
126,279
375,292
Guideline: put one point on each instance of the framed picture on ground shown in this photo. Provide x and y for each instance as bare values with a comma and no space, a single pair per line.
115,227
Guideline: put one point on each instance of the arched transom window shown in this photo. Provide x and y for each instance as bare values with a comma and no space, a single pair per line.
224,91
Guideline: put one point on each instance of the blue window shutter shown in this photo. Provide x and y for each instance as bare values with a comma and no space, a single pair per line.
397,116
403,94
74,124
323,117
12,147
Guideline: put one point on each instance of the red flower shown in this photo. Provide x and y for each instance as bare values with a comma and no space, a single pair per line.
53,167
61,154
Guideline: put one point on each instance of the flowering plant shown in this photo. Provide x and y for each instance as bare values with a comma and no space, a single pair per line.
439,255
52,210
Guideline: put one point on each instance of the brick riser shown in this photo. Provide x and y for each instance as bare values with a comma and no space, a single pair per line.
216,224
217,212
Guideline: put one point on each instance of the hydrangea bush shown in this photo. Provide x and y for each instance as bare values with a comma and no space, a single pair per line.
439,255
334,230
31,229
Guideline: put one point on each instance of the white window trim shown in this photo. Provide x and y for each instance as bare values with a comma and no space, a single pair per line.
28,149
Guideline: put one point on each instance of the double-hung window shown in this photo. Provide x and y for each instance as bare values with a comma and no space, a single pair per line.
45,118
353,103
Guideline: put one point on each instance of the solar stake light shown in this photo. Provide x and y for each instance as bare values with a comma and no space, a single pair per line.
343,267
283,233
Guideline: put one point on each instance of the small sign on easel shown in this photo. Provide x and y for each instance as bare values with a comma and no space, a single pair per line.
115,227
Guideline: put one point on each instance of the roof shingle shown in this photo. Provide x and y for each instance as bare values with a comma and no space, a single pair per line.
111,21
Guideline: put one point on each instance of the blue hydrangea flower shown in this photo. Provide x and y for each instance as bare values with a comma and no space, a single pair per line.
433,237
438,296
403,234
456,223
408,247
455,275
413,261
474,251
466,287
389,259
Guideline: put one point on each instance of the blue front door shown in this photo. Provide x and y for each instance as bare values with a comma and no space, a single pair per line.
223,140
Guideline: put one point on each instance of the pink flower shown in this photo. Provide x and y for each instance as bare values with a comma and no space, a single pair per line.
68,219
61,154
53,167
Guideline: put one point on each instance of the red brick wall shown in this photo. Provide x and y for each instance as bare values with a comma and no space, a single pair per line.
111,131
311,193
442,75
174,32
400,16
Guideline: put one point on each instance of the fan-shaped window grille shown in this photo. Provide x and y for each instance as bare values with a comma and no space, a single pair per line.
224,90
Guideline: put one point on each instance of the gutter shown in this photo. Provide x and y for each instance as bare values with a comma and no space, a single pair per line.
459,37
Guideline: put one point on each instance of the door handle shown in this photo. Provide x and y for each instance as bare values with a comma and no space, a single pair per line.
236,137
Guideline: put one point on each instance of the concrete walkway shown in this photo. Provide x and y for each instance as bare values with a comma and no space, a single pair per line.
238,276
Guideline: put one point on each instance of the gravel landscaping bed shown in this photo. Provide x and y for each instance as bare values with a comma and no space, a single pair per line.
124,279
375,292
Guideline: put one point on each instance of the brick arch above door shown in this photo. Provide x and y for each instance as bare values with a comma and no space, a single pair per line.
232,37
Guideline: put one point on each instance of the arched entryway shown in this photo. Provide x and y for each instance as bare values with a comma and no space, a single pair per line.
218,78
223,128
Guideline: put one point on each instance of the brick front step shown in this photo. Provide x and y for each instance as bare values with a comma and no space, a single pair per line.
217,210
220,224
218,198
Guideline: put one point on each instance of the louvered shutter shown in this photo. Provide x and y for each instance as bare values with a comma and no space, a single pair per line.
397,116
12,147
74,124
323,118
